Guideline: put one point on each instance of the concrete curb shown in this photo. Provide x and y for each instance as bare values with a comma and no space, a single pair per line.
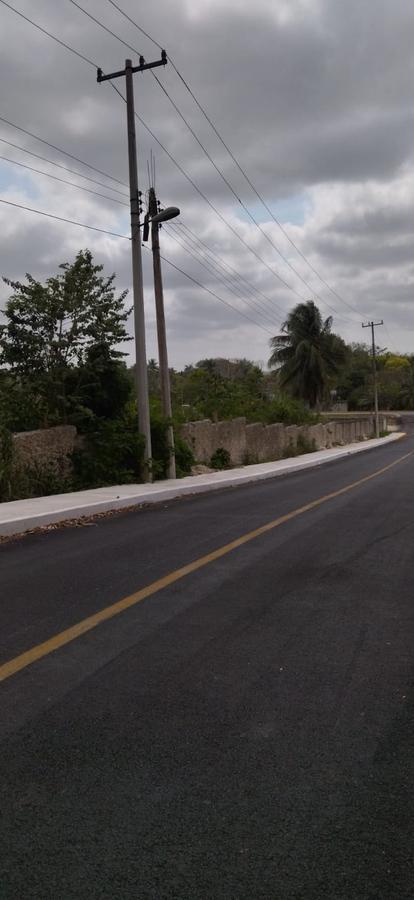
25,515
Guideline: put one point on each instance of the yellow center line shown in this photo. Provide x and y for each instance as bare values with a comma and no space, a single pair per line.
75,631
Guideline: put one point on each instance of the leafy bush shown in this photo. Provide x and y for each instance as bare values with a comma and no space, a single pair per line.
184,457
112,453
38,481
220,459
159,445
6,464
289,411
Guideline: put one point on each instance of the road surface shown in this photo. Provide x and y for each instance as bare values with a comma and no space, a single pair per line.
242,730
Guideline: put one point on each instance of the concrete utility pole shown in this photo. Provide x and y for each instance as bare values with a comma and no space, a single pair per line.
161,331
138,291
373,326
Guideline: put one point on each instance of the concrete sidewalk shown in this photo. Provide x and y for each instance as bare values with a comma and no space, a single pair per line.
24,515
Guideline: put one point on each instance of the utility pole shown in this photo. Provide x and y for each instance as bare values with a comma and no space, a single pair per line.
161,331
138,290
373,326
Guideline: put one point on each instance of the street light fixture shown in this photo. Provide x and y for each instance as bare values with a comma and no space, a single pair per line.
165,215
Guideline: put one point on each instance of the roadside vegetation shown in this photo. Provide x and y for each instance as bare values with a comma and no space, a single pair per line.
63,345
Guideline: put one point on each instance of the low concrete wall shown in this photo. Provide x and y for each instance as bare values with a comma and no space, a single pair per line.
46,448
263,443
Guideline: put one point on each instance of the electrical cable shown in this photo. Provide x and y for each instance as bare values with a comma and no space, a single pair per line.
203,148
80,187
234,158
59,149
40,212
40,28
216,167
92,63
65,168
236,281
210,204
210,269
180,168
234,271
213,294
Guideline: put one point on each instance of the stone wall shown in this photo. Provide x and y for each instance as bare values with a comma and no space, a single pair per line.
262,443
49,448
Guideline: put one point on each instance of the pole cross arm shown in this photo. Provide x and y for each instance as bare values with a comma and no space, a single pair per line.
141,68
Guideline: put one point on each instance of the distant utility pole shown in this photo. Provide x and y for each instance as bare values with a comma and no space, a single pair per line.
373,326
138,291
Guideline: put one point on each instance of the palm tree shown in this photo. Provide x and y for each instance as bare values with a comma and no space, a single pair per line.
307,354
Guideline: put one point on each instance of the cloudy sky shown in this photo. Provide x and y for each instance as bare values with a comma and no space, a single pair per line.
314,99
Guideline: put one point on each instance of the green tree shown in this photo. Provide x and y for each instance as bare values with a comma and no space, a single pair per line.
307,354
354,382
52,328
101,387
153,372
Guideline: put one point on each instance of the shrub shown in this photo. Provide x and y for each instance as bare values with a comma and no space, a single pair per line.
38,481
159,445
289,411
112,453
6,464
220,459
184,457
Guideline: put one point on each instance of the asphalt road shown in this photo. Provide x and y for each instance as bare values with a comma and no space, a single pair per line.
246,732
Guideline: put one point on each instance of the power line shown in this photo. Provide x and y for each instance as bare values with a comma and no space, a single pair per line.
44,31
235,160
213,163
101,25
209,268
86,59
213,294
260,197
52,162
134,50
96,193
247,284
92,63
205,151
59,149
145,33
180,168
211,205
104,196
40,212
234,271
239,200
224,270
79,187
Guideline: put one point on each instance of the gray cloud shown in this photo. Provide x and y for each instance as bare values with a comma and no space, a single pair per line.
313,97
